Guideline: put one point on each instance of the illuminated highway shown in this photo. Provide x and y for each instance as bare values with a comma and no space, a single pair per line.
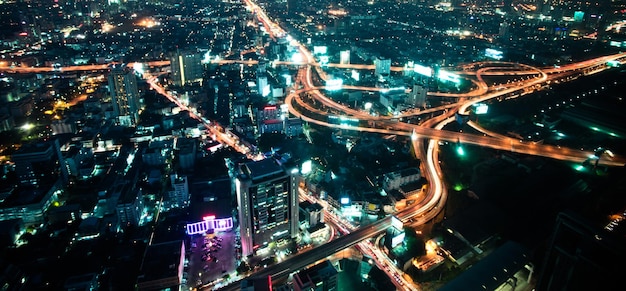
217,132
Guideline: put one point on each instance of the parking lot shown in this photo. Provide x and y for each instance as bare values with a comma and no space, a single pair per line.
211,257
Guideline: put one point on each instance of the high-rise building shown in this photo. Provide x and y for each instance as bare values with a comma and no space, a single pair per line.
124,95
344,57
186,67
417,97
187,148
263,85
383,67
267,197
179,195
129,206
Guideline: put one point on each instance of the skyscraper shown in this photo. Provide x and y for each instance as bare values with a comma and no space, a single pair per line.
262,85
418,96
344,57
267,197
186,67
124,95
383,67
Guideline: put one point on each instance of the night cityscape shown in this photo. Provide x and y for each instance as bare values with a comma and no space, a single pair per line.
312,145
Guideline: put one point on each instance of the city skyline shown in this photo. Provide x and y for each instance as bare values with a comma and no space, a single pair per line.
401,144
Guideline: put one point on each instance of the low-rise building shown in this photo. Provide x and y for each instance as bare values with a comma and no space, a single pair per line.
162,266
320,277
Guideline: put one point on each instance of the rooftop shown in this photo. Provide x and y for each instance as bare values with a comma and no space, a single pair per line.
261,169
161,261
493,270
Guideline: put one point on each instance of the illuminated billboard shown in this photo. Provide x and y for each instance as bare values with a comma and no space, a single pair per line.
209,223
398,239
307,167
395,222
493,54
448,77
320,50
422,70
334,84
481,108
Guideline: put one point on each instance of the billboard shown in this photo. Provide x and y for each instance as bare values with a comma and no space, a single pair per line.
209,224
422,70
397,239
447,76
481,108
493,54
334,84
320,50
395,222
307,167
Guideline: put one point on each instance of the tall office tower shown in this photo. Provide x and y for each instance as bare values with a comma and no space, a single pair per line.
417,97
344,57
383,67
124,95
186,68
186,151
581,256
179,195
268,204
262,85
